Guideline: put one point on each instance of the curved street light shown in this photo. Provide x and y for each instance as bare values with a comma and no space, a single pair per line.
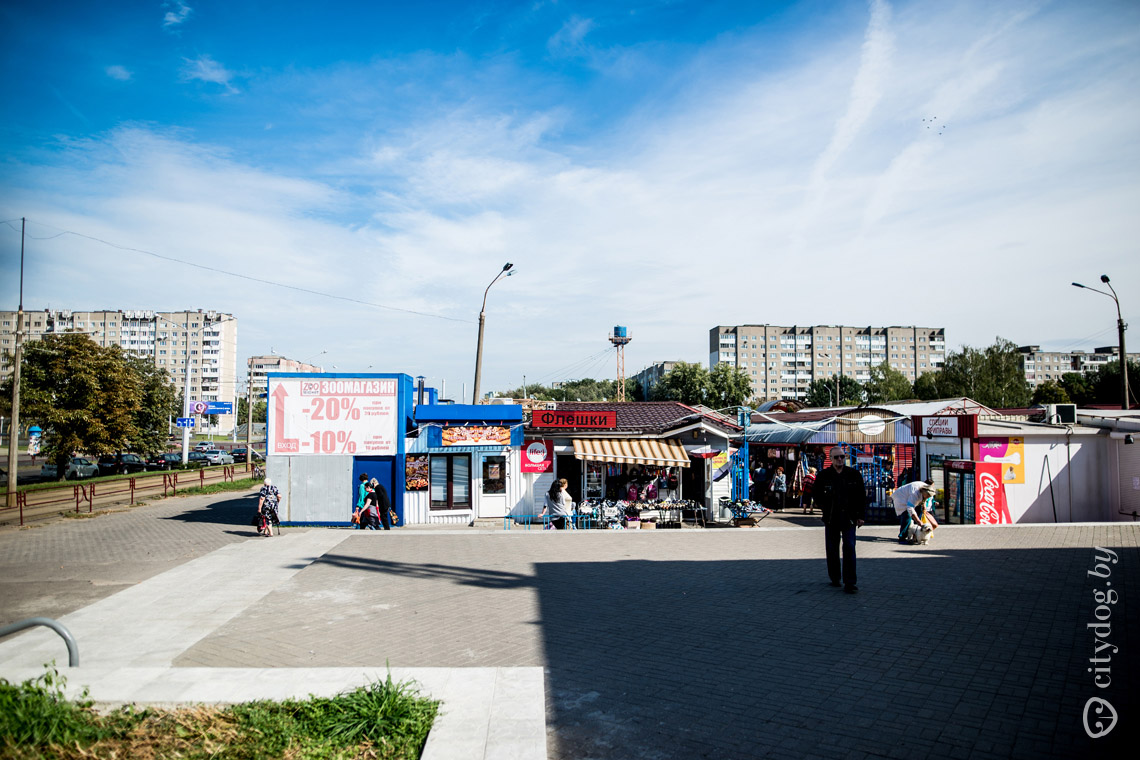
506,271
1120,327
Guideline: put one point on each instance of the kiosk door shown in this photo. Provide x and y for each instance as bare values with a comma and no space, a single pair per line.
493,494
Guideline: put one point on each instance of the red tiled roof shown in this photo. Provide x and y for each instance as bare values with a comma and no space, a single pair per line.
638,416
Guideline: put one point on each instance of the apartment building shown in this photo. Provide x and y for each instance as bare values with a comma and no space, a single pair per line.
195,343
651,376
783,360
260,366
1040,366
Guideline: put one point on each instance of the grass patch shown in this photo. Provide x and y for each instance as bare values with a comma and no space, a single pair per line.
383,720
233,485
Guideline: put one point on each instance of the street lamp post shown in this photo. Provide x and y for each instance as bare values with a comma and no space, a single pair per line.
506,270
1120,327
186,386
829,356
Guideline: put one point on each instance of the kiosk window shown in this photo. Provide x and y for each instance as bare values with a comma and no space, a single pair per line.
451,481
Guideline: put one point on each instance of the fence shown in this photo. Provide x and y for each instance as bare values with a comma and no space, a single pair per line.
85,497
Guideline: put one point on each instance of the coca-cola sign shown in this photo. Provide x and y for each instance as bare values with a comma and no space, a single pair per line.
990,495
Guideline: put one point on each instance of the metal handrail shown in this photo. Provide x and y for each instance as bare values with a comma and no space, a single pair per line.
72,646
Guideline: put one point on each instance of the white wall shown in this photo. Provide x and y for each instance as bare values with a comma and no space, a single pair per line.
1125,461
417,503
1080,475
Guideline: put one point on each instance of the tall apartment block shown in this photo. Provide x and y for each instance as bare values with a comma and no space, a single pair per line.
782,360
203,342
1040,366
652,375
260,366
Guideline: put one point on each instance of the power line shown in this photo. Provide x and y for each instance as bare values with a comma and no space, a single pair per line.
261,280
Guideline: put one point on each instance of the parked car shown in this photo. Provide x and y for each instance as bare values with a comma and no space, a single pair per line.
121,464
240,455
167,461
77,468
197,459
217,456
203,446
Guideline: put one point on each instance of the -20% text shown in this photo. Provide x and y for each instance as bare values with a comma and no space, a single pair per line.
333,409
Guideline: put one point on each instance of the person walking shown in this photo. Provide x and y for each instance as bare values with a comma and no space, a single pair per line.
779,489
377,506
267,507
909,501
809,485
361,496
842,498
558,504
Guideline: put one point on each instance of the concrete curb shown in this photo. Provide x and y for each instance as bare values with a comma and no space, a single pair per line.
486,713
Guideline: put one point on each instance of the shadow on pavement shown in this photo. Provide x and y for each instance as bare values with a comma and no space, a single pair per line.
235,511
975,653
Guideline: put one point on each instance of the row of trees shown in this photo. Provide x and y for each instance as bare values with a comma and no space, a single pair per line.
992,376
92,399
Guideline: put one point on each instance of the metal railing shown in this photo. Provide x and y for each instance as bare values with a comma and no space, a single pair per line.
42,502
72,646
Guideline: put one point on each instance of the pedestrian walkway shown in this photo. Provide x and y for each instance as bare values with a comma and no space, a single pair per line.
617,644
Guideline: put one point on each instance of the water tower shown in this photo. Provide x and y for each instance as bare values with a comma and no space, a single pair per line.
619,337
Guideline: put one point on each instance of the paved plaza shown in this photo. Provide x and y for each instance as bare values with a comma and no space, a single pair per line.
723,643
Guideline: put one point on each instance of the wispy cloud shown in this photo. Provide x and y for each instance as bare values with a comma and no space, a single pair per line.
567,41
684,205
207,69
866,91
118,72
175,17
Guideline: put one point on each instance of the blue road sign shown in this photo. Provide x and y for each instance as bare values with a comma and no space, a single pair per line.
219,407
184,422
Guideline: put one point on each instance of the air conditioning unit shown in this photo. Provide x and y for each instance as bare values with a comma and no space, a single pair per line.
1061,414
550,406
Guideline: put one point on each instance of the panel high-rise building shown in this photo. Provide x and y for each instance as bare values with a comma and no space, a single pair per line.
783,360
201,342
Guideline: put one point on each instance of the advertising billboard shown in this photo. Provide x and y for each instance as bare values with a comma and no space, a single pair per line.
340,416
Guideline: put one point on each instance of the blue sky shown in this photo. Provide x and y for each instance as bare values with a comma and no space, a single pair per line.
668,166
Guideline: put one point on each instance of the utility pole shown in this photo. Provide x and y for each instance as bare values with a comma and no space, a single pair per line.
249,421
506,270
14,428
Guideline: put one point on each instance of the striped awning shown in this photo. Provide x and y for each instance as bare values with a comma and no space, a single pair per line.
632,451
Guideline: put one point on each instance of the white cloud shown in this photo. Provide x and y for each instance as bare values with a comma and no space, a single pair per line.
678,218
118,72
205,68
568,39
181,11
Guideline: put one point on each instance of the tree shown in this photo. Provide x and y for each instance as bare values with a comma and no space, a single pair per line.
1078,387
727,386
1050,392
928,386
86,397
992,376
687,383
887,384
1105,382
158,402
821,392
260,408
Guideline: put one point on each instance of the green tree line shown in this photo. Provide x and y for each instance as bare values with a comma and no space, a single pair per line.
991,375
92,399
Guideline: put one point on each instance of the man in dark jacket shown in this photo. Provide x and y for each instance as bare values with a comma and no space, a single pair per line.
842,498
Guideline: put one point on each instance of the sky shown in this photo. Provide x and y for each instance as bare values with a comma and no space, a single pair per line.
347,178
